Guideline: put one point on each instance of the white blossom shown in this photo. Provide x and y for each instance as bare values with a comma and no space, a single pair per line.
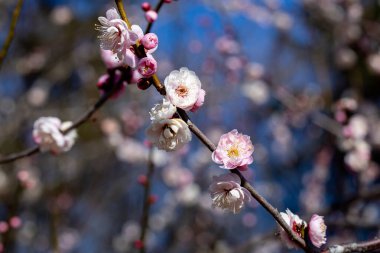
47,133
165,110
169,134
296,224
226,193
182,88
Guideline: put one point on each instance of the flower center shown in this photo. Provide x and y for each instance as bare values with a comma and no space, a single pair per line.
182,90
299,229
233,152
323,227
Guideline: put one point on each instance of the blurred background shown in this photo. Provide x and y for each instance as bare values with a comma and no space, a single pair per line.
300,77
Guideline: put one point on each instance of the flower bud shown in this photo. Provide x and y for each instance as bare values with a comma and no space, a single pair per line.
151,16
149,41
145,6
147,66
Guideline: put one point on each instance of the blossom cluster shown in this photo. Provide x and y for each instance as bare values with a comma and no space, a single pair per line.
183,90
119,42
316,229
353,135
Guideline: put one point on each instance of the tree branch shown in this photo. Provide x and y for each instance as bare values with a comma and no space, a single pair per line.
355,247
8,41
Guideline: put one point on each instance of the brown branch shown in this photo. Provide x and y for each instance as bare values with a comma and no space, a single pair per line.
8,41
211,146
78,122
22,154
147,203
368,246
156,9
273,211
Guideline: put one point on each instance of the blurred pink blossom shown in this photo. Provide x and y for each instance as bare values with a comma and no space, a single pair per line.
317,230
151,16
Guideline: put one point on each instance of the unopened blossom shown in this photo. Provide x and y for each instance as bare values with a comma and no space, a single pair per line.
151,16
47,133
227,194
145,6
115,85
150,42
165,110
200,100
234,150
114,31
147,66
182,88
317,230
296,224
169,134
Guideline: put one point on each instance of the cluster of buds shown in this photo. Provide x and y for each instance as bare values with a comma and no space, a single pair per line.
120,48
151,15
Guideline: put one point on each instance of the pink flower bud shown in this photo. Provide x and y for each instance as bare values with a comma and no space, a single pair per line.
139,244
147,66
143,180
145,6
151,16
200,100
167,1
149,41
15,222
3,227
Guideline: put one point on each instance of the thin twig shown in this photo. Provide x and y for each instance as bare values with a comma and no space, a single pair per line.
22,154
80,121
211,146
156,9
8,41
147,203
369,246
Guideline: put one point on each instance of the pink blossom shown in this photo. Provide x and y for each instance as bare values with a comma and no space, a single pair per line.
234,150
151,16
296,224
317,230
200,100
110,59
147,66
150,42
114,31
226,193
